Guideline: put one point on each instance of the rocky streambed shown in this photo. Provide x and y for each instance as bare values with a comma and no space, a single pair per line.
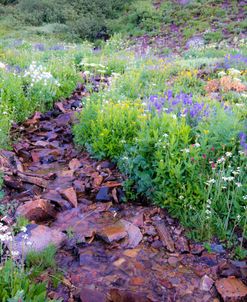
108,250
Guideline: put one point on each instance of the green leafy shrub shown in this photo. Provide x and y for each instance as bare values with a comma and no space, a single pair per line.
15,285
105,128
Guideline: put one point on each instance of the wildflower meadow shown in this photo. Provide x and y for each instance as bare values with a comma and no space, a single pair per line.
123,151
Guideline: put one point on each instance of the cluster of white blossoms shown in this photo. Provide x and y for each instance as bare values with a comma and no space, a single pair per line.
211,181
2,65
208,210
38,73
5,234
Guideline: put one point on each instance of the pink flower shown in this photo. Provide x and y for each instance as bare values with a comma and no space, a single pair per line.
204,156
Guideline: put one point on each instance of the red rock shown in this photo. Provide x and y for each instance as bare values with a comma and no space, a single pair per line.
119,262
173,261
131,253
206,283
38,238
231,289
113,232
60,106
89,295
97,179
182,245
36,210
134,233
35,119
137,220
63,120
70,195
56,197
117,295
165,237
74,164
137,281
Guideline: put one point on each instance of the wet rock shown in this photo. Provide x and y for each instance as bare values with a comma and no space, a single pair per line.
165,236
182,245
228,269
56,198
239,264
74,164
117,295
86,259
137,281
197,249
119,262
173,261
131,253
107,165
137,220
113,232
206,283
36,210
103,194
63,120
157,244
90,295
97,179
217,248
134,233
231,289
37,238
70,195
76,105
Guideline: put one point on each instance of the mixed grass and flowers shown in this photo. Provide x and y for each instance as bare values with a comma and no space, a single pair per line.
180,145
18,271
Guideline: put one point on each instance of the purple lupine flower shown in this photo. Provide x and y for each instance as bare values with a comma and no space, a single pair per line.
243,140
57,47
181,104
39,47
235,61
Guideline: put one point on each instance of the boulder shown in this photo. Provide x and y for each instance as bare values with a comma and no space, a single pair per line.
36,210
206,283
36,238
231,289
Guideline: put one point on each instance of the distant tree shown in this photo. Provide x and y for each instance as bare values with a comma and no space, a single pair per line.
6,2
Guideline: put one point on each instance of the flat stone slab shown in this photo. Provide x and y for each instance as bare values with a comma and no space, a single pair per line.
36,238
231,289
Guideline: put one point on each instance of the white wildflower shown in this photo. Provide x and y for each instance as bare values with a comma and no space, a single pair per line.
233,72
2,65
23,229
238,184
186,150
221,160
221,74
25,236
15,253
210,181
